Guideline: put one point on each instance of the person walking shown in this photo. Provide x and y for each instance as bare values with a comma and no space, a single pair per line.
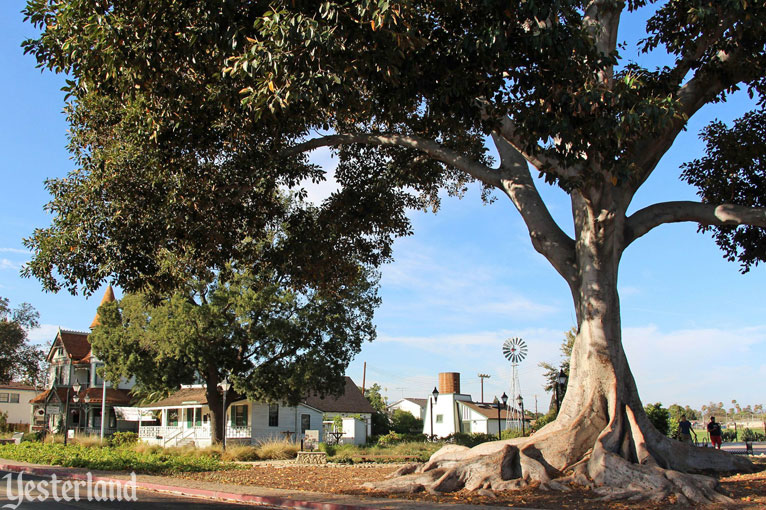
685,430
714,430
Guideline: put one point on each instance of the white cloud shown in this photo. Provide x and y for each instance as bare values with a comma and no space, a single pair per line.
695,366
44,334
9,264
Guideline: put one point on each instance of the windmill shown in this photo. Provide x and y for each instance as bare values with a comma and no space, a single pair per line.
514,350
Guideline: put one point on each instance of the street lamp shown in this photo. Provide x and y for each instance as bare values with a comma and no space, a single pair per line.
435,395
76,398
520,401
498,405
225,385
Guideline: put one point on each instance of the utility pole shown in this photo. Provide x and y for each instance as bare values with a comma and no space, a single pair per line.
535,406
364,377
482,377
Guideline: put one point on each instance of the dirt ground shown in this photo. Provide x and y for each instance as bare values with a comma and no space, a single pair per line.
749,491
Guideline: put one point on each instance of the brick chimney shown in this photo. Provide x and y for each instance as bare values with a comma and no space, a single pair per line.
449,382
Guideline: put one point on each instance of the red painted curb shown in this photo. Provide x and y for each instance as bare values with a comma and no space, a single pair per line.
191,491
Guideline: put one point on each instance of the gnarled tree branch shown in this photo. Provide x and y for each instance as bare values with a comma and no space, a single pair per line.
693,95
547,237
655,215
435,150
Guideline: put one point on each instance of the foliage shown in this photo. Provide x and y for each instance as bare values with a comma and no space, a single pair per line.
381,423
337,424
108,458
659,416
240,453
403,451
19,360
551,373
751,435
404,422
4,422
277,450
676,411
544,419
511,433
244,324
123,439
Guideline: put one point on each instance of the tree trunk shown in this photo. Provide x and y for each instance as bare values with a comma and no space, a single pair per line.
601,437
215,403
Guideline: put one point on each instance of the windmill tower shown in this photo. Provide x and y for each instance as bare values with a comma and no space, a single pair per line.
514,350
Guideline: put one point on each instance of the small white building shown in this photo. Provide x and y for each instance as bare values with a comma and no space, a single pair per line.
455,412
14,402
184,418
415,406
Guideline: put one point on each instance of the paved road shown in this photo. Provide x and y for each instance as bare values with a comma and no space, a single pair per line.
146,500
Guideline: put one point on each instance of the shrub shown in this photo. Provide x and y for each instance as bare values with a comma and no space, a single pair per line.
31,436
751,435
109,458
390,439
404,422
88,441
242,453
277,450
123,439
327,448
511,434
659,416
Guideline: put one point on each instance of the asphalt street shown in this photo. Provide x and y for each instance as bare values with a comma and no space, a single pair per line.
145,500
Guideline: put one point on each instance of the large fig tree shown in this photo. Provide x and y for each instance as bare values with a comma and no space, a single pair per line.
187,116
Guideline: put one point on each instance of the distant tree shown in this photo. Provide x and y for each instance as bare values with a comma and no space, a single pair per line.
551,373
404,422
273,343
19,360
375,398
381,423
659,416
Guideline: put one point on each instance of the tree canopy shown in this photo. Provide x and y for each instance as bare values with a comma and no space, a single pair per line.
188,118
273,343
19,360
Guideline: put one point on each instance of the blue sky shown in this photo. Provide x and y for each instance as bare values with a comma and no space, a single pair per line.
694,328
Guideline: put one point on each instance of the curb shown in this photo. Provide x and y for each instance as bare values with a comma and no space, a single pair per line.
191,491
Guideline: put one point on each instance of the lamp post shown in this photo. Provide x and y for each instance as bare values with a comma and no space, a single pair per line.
500,404
431,401
520,401
76,400
504,400
225,385
86,401
66,416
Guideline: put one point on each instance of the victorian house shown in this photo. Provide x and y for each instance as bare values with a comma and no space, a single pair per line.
75,389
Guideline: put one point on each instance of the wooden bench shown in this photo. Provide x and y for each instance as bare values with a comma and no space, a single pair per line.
311,458
7,441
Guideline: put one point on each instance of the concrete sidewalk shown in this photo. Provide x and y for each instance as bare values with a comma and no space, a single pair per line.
281,498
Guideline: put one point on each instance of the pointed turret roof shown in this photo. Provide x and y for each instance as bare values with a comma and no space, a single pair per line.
108,298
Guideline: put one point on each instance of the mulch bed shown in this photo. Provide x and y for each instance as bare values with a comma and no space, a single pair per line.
748,490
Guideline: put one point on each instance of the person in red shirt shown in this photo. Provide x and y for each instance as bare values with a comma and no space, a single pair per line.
714,429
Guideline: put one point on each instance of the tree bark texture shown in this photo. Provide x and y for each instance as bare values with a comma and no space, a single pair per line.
602,437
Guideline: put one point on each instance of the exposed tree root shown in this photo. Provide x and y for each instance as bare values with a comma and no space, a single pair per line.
617,463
